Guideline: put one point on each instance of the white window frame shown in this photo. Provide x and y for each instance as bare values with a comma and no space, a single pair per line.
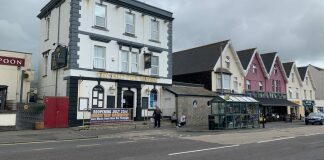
155,66
124,62
261,86
254,69
99,58
155,31
290,92
275,70
48,25
228,62
235,81
45,65
248,85
134,62
134,22
101,5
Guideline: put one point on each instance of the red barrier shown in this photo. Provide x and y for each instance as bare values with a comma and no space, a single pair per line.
56,112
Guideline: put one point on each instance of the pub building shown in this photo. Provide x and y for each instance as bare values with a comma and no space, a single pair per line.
105,54
16,76
266,81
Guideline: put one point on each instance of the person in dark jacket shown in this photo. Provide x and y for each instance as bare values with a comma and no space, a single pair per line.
157,115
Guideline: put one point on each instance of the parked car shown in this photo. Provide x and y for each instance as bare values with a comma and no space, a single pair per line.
314,118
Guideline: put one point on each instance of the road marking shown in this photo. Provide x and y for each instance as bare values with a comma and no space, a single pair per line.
201,150
278,139
88,145
125,142
42,149
313,134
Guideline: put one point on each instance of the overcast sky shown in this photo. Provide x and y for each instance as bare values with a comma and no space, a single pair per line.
294,29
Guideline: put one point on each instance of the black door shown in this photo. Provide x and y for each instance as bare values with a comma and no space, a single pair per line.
128,99
110,101
2,98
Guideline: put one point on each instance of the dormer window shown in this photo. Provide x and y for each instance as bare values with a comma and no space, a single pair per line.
254,69
228,62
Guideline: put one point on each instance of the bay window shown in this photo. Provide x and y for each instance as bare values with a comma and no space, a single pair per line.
99,58
226,81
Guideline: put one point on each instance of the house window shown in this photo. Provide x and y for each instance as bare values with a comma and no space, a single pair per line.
153,99
273,85
226,81
45,65
100,13
235,83
47,31
278,86
155,65
275,70
292,77
260,86
254,69
305,94
228,62
99,59
98,97
248,85
130,23
155,30
311,94
290,93
297,93
306,80
134,65
124,61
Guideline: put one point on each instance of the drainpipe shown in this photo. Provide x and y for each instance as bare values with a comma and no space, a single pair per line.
21,85
58,42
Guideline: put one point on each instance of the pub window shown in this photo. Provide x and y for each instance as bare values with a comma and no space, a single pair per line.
153,98
228,62
155,65
134,65
155,30
254,69
99,58
124,61
98,97
100,13
130,23
47,30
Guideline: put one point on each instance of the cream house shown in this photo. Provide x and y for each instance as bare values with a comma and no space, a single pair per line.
308,90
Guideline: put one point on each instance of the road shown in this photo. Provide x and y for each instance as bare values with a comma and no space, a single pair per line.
307,146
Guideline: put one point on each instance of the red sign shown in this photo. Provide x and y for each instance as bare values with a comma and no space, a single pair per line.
12,61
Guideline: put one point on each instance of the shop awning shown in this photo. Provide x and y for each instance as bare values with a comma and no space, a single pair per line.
276,102
231,98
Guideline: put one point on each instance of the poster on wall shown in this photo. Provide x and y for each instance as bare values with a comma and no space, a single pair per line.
110,115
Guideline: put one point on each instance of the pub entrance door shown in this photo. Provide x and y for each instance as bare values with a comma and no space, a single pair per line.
128,99
3,96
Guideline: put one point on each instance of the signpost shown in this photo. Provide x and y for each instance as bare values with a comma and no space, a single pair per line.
110,115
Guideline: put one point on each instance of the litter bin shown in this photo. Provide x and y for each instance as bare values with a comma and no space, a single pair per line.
211,122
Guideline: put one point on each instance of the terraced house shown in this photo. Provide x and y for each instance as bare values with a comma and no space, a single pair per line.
308,90
105,54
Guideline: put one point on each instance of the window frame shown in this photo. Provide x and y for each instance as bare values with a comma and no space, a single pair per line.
101,91
124,62
254,69
153,101
127,13
155,66
156,31
248,85
100,58
136,62
235,83
45,65
260,86
228,62
292,77
105,23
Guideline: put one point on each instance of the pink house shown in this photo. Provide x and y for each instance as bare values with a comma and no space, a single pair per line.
256,75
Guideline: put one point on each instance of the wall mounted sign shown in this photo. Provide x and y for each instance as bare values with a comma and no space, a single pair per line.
118,76
110,115
11,61
59,58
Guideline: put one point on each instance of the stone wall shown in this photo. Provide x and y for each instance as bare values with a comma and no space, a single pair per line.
196,116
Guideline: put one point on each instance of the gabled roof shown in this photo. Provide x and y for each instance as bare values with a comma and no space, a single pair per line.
200,59
246,56
302,72
288,67
268,60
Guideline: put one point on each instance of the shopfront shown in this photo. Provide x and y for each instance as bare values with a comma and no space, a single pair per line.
234,112
308,106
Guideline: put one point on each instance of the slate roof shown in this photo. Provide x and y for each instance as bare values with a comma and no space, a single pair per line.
199,59
185,90
245,57
302,72
268,60
288,67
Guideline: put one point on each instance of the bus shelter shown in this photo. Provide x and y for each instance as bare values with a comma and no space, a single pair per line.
234,112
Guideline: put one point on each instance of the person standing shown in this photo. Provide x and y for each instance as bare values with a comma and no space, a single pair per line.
157,115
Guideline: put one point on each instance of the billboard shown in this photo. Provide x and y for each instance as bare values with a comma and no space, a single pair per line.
110,115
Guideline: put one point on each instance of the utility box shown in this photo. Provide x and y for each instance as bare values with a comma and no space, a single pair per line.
56,112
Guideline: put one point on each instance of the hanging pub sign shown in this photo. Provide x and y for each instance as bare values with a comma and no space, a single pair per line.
109,115
59,58
10,61
148,60
308,103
